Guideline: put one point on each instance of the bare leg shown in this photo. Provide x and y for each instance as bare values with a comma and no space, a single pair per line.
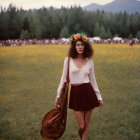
80,119
87,116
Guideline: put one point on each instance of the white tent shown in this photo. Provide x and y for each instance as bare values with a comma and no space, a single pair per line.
65,39
117,38
96,38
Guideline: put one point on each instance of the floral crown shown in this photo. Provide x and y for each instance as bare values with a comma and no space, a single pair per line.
78,36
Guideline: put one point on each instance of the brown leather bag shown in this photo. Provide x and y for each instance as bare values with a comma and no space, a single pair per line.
54,121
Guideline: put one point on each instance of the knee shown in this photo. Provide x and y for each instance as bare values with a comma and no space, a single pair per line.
81,127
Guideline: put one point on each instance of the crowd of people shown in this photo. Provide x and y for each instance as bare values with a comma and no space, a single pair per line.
18,42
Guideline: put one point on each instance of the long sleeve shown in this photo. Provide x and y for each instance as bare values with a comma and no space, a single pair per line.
63,77
93,81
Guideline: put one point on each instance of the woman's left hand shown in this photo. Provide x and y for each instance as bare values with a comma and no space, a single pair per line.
101,103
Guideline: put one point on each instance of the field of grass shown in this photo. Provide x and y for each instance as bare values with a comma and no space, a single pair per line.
29,78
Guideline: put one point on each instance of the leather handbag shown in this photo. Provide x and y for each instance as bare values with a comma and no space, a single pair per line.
54,121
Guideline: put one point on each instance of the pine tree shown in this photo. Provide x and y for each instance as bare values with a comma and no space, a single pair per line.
97,29
64,33
138,35
24,35
102,32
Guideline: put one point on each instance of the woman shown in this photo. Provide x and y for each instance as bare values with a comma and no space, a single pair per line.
84,94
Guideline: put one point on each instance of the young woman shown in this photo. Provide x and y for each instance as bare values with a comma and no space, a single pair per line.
84,93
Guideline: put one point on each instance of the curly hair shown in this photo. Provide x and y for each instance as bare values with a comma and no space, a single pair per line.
88,50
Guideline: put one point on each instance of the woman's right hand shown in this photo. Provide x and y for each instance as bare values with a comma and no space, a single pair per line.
57,105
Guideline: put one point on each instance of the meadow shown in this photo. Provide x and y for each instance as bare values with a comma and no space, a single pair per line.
29,78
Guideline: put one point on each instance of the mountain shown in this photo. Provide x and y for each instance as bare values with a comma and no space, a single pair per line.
116,6
92,7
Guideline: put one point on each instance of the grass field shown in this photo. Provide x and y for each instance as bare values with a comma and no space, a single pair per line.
29,78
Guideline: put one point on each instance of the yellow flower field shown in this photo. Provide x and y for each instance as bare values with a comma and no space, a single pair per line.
29,78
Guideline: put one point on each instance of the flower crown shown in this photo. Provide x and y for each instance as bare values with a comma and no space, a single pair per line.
78,36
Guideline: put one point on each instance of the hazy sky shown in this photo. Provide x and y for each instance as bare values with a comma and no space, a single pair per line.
27,4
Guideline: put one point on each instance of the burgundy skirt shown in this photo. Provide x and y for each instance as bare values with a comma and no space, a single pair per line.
83,97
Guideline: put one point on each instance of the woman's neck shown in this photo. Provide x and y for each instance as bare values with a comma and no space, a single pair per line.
80,56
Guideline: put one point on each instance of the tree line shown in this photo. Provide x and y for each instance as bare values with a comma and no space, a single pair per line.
16,23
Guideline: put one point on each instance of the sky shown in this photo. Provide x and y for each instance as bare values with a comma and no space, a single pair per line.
30,4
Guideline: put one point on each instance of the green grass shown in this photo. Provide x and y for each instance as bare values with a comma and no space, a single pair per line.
29,78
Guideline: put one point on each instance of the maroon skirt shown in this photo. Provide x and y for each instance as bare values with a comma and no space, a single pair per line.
83,97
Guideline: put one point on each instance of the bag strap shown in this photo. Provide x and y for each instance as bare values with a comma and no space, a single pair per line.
68,71
64,106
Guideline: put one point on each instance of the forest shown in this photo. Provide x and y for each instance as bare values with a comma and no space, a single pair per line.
48,23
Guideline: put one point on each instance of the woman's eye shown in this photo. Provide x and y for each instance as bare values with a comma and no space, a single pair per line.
79,44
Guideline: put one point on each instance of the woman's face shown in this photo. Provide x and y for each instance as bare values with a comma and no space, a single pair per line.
79,47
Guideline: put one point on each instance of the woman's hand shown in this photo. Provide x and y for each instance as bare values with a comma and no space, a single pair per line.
101,103
57,105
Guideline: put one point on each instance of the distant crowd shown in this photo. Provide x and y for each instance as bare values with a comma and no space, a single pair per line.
17,42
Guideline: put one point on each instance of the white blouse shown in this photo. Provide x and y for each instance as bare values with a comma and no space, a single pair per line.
79,75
